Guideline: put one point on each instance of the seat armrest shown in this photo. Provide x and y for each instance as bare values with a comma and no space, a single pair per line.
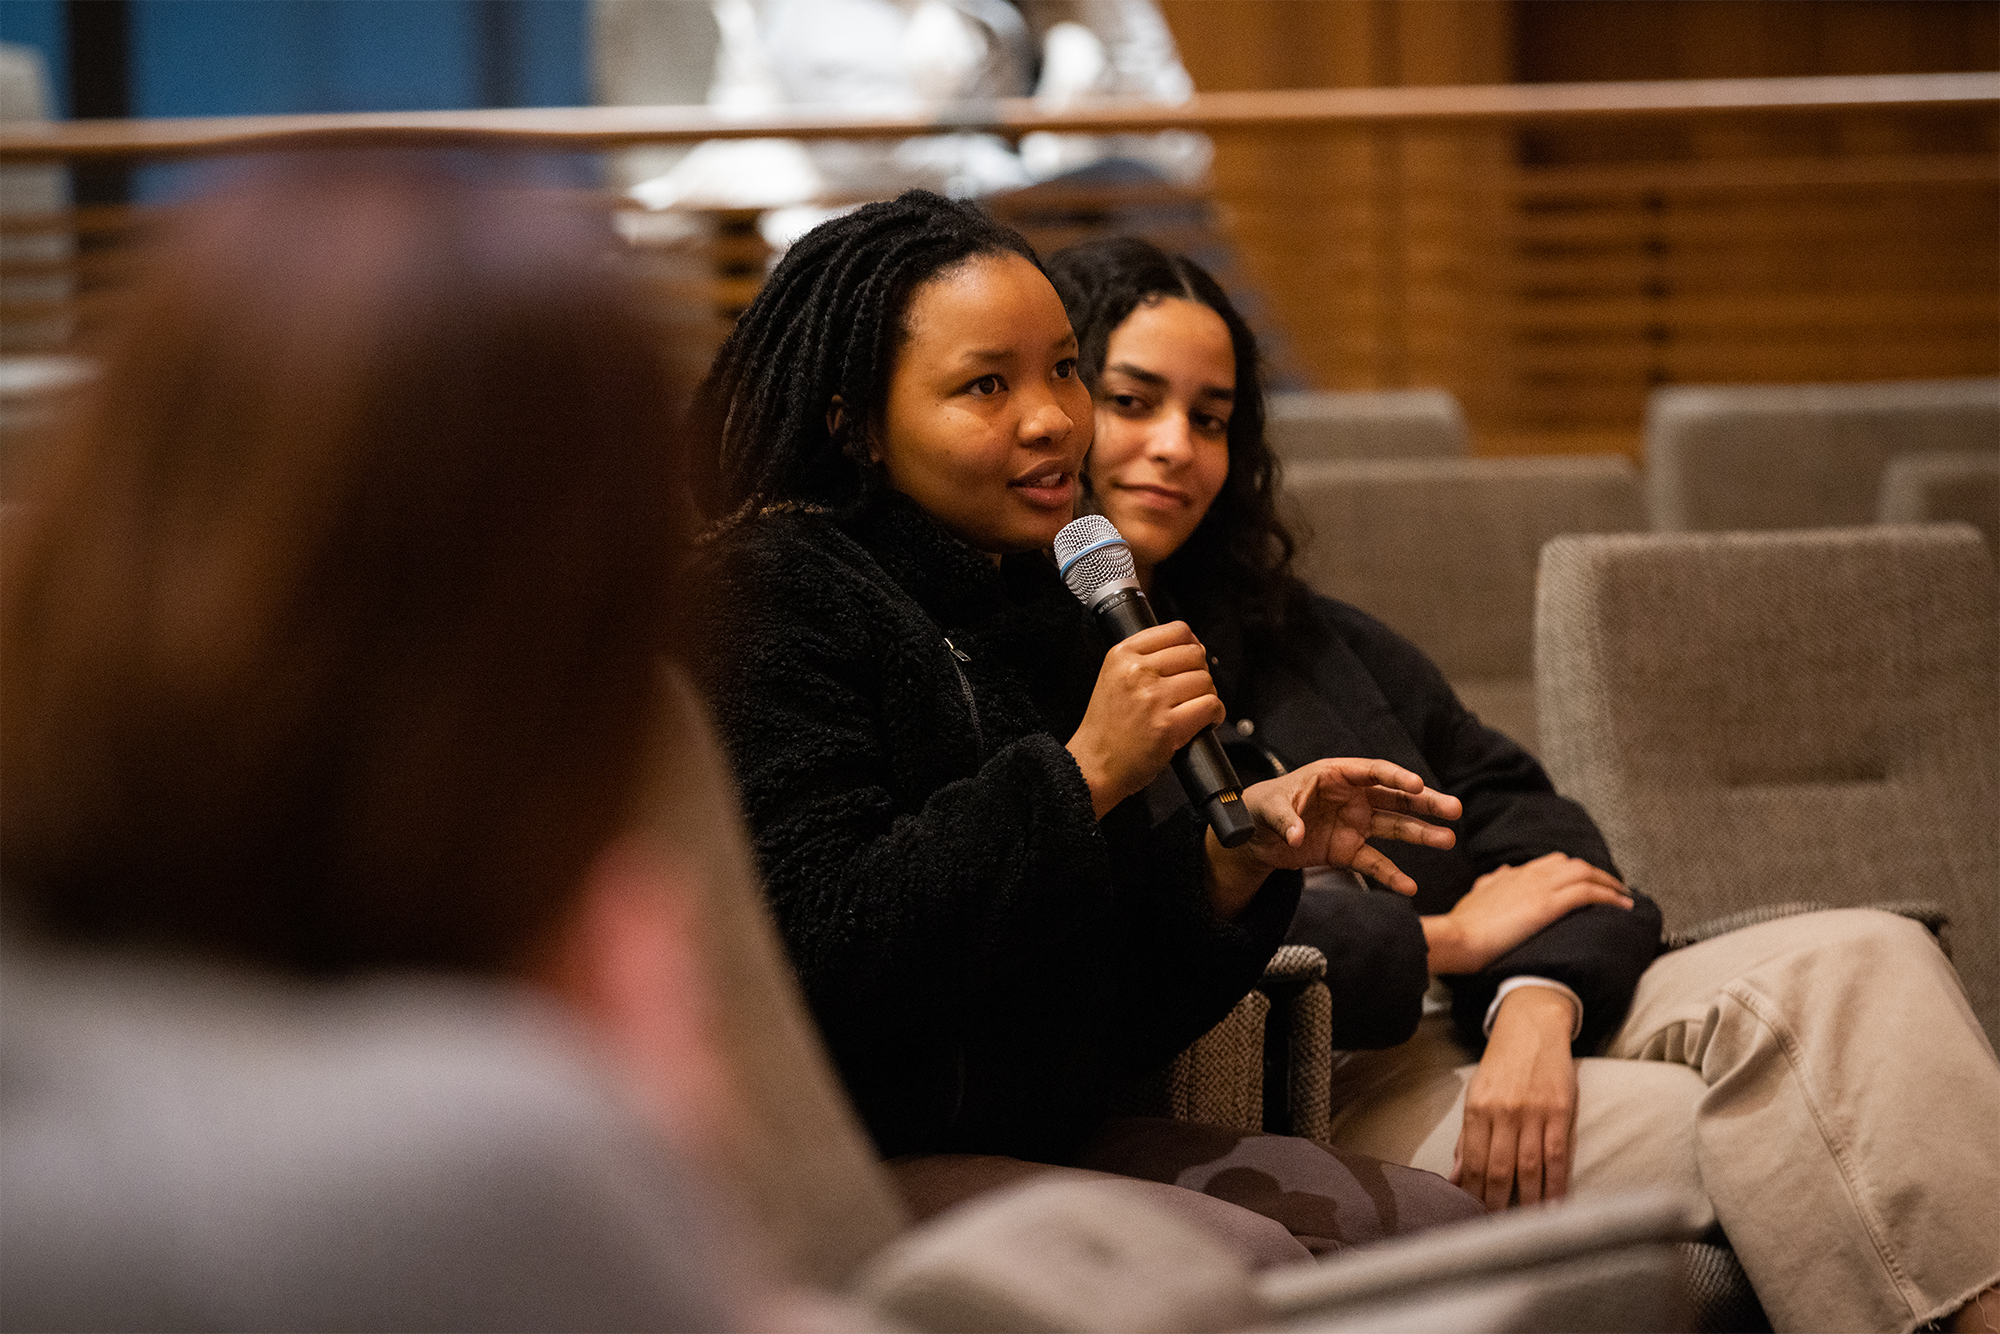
1502,1243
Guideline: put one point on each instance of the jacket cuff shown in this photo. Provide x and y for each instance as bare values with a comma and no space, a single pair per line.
1516,983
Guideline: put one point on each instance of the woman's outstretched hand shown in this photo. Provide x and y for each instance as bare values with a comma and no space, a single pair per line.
1506,906
1323,814
1153,694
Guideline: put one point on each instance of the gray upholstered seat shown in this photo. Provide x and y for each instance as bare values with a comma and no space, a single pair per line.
1385,424
1755,718
1444,551
1944,486
1799,456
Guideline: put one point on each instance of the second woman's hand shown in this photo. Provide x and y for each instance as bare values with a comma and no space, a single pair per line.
1510,904
1323,814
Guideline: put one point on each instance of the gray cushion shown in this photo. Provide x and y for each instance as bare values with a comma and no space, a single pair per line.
1396,423
1942,486
1444,551
1803,715
1799,456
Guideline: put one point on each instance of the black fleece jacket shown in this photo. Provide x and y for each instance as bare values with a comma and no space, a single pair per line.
1361,689
988,963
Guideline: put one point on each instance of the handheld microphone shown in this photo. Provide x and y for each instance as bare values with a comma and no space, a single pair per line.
1097,565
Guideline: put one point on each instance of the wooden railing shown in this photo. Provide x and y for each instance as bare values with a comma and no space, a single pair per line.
1547,252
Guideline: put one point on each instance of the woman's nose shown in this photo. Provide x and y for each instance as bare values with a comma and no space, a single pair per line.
1047,420
1170,440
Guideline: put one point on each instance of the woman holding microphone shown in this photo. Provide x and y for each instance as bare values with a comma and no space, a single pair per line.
938,756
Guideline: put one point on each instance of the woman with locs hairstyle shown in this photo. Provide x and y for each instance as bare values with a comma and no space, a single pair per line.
942,764
1772,1071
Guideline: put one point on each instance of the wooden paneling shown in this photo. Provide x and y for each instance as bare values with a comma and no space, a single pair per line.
1551,275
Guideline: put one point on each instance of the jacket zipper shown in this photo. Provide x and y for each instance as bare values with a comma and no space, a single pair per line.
971,707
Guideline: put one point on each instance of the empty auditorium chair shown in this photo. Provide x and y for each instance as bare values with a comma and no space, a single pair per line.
1799,456
1941,486
1762,718
1388,424
1444,551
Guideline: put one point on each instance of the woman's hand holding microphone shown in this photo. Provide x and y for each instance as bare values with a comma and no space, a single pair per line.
1154,694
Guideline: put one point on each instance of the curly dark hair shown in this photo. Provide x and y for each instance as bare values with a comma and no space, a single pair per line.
827,323
1241,553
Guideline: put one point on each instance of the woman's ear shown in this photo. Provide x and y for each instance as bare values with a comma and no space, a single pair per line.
861,446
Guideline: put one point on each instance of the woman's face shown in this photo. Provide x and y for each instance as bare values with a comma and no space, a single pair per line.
987,422
1163,408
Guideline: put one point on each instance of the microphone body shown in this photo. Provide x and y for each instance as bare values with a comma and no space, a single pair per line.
1097,565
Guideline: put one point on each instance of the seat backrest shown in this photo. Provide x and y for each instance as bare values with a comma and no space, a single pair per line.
1798,456
1937,486
797,1157
1444,551
1761,717
1386,424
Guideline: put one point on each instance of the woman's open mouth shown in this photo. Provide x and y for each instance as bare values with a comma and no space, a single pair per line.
1052,486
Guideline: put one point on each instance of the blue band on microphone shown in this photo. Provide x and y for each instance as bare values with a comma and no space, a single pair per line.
1113,541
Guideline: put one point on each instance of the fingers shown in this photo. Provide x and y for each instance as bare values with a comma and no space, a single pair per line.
1561,869
1406,830
1475,1137
1373,864
1572,897
1429,803
1191,716
1528,1162
1557,1145
1497,1180
1365,772
1156,637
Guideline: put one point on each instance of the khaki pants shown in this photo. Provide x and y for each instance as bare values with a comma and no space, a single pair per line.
1820,1080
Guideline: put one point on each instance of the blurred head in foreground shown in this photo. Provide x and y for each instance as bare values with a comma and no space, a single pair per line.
331,633
329,627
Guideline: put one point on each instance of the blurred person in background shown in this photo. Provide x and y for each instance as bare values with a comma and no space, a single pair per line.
331,632
864,58
1820,1079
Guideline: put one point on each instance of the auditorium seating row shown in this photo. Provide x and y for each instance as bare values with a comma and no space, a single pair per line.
1397,519
1785,668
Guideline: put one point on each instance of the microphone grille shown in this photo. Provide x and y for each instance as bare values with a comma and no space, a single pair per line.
1092,557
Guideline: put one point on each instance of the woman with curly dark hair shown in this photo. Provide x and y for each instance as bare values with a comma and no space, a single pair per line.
1702,1062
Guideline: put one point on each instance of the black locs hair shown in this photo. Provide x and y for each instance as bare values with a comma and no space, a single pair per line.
1241,552
827,322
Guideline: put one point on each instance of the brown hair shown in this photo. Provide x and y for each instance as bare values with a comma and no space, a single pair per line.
328,629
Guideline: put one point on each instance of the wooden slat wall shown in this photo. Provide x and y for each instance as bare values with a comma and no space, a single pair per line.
1551,276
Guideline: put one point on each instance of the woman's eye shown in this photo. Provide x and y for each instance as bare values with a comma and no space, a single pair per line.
1066,369
986,386
1212,425
1128,403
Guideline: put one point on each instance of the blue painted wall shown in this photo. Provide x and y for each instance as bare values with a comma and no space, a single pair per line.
39,23
252,57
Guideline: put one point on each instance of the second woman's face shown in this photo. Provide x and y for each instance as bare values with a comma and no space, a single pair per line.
1163,406
987,421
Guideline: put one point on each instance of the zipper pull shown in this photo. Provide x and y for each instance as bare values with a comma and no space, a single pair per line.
956,652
